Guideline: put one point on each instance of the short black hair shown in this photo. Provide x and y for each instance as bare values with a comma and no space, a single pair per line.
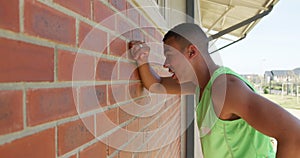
171,34
189,33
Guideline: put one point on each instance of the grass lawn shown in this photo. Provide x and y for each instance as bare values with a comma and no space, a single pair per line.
285,101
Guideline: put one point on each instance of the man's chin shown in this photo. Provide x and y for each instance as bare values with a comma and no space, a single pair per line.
179,81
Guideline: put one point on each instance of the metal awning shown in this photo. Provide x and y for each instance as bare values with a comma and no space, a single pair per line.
219,15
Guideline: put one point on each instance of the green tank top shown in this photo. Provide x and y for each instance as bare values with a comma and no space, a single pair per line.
228,139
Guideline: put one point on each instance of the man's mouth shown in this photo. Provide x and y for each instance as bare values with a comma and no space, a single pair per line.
173,74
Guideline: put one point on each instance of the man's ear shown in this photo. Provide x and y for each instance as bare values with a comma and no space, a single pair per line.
192,50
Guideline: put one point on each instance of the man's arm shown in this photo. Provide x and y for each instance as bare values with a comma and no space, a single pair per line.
262,114
150,79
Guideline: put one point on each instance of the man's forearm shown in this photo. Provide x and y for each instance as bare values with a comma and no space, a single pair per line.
148,75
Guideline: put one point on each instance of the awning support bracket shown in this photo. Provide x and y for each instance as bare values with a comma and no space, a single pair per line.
228,44
241,24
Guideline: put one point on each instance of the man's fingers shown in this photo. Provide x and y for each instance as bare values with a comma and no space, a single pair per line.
139,51
133,43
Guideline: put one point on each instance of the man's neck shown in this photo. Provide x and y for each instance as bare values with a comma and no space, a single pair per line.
204,74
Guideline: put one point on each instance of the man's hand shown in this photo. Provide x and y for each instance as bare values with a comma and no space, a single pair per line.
139,51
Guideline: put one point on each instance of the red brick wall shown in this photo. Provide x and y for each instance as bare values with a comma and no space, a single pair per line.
68,87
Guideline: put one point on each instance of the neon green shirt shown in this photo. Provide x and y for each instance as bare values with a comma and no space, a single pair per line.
228,139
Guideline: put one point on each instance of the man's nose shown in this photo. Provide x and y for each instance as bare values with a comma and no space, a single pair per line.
166,65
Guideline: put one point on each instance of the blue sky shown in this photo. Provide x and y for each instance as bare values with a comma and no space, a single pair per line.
273,44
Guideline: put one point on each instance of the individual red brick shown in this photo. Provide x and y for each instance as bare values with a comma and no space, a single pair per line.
119,4
150,31
158,36
123,26
104,15
112,115
135,90
22,61
74,67
124,115
48,23
154,125
154,139
153,153
142,102
136,142
44,105
125,154
74,134
118,47
84,67
9,15
91,98
11,111
128,111
103,124
145,121
73,156
137,35
116,94
79,6
41,144
106,70
111,150
143,154
116,140
144,23
128,71
65,65
92,38
97,150
133,14
138,107
133,126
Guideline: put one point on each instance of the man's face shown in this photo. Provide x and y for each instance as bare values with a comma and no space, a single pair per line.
177,60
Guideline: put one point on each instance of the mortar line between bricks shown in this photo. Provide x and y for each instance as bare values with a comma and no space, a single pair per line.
77,100
38,128
167,137
55,64
56,141
141,130
77,32
92,142
143,12
33,130
95,124
99,138
21,15
95,67
106,134
169,119
129,20
74,15
24,109
92,23
168,146
44,42
154,121
92,9
68,84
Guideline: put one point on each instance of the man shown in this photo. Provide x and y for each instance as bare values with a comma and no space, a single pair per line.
233,120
